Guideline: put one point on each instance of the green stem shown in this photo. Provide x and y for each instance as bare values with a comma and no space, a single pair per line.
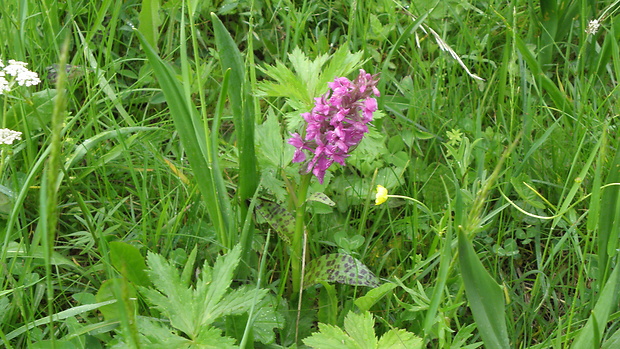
296,244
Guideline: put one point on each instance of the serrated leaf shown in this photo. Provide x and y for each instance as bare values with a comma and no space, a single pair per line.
341,268
400,339
267,316
310,77
360,333
221,278
330,337
361,329
189,309
282,221
271,149
172,298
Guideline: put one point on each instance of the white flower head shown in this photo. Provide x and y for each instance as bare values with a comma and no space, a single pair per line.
593,26
4,84
8,136
23,76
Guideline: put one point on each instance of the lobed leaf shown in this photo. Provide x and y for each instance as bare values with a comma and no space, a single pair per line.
359,333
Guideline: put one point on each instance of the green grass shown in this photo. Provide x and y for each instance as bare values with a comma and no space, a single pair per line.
162,150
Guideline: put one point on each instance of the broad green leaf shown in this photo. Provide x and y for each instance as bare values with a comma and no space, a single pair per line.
154,335
234,302
242,105
606,304
484,295
36,111
88,145
7,198
371,298
341,268
14,249
221,278
129,262
149,21
613,341
266,317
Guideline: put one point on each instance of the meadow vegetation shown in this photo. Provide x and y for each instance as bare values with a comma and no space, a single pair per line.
152,200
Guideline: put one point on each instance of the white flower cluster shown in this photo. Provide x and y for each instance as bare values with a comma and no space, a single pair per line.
8,136
20,74
593,26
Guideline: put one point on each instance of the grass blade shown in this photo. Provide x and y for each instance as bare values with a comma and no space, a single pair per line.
194,140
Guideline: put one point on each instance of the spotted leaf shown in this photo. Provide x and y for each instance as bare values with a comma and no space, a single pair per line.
280,219
341,268
320,197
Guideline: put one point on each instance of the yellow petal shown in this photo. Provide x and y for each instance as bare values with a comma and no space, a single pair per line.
382,195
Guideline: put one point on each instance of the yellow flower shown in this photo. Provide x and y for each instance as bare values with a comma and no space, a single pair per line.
382,195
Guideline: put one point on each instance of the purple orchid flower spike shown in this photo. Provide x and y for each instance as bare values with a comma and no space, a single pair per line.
336,124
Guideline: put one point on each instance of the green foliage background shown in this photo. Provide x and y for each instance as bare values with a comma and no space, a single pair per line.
164,153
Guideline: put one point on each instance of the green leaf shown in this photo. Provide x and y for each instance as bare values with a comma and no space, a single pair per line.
359,333
485,296
330,337
242,105
322,198
36,111
266,319
129,262
606,304
361,329
154,335
192,310
310,77
282,221
149,21
400,339
365,302
271,149
171,297
341,268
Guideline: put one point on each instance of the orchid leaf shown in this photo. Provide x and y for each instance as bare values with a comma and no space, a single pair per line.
341,268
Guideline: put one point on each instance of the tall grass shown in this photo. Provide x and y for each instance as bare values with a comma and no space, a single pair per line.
168,145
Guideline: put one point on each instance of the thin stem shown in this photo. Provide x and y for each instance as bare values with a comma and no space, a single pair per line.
296,244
